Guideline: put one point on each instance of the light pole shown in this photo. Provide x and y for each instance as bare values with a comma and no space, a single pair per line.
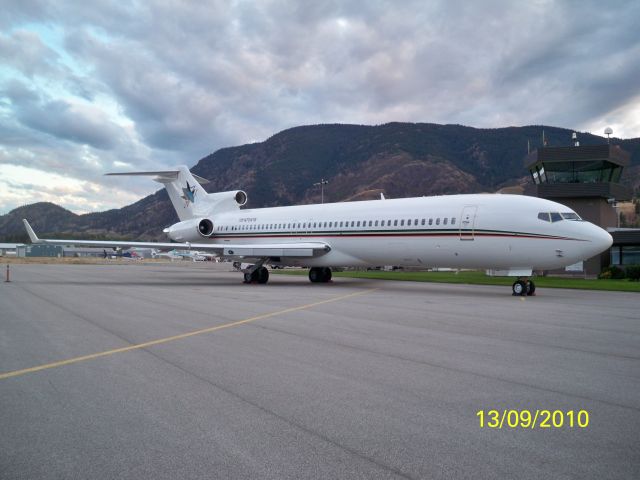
321,183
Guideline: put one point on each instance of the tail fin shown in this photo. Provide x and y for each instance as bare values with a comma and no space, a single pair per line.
184,188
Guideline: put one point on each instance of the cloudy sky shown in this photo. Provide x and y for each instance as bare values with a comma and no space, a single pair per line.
89,87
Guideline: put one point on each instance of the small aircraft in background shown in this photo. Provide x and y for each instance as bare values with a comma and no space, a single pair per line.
130,254
507,235
185,254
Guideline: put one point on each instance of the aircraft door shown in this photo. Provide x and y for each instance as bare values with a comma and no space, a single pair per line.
468,222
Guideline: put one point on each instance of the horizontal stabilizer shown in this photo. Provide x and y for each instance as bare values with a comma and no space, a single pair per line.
160,175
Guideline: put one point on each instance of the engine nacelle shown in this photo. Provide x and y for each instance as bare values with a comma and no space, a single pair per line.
227,201
190,230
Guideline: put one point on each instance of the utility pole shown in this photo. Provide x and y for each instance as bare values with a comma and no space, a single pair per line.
321,183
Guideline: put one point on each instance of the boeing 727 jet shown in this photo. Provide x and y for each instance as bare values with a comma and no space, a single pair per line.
510,235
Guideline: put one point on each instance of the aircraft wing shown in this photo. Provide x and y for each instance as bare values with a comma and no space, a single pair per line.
256,250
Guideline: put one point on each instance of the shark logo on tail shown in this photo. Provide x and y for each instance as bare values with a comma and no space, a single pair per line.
189,194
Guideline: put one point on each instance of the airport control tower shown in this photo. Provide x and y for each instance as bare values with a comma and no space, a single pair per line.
586,179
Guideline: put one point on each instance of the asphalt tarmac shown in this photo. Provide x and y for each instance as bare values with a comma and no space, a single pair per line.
181,371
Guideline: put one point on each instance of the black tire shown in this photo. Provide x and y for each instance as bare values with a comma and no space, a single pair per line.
531,290
519,288
326,274
315,275
263,275
248,277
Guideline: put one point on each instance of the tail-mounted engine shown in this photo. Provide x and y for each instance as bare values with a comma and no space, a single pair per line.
196,229
227,201
190,230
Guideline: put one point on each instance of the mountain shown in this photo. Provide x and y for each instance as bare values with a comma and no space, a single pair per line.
399,159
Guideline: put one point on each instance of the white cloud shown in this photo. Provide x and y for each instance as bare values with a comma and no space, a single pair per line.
89,87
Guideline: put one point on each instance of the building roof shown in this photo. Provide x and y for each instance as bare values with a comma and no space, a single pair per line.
10,245
625,236
610,153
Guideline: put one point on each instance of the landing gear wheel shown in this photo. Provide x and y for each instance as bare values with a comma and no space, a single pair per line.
519,288
531,288
326,274
259,275
263,275
315,275
320,274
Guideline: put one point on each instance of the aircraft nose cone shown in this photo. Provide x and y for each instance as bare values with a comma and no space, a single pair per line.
601,240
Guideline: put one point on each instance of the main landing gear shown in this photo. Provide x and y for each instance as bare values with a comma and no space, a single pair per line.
320,274
523,287
259,275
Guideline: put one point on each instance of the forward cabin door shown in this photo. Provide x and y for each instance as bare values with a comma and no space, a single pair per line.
468,222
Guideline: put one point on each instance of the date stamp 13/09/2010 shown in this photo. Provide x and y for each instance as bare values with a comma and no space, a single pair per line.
532,419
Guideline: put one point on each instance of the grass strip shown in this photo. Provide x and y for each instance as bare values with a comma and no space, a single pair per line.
479,278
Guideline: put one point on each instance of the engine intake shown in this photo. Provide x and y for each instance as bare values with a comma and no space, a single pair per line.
241,197
205,227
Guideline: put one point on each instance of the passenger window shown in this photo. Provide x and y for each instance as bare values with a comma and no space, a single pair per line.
556,217
415,222
395,223
330,224
544,216
409,222
370,223
376,224
444,222
437,221
431,221
453,221
422,223
402,223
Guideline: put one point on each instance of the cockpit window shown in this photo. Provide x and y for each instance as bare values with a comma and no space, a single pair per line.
556,217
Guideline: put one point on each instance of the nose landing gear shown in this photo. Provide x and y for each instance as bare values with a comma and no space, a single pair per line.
523,287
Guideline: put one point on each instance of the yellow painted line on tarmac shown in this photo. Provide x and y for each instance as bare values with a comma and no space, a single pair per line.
159,341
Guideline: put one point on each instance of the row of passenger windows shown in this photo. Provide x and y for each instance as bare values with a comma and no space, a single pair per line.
340,224
557,216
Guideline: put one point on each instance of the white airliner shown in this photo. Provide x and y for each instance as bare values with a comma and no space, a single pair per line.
509,235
